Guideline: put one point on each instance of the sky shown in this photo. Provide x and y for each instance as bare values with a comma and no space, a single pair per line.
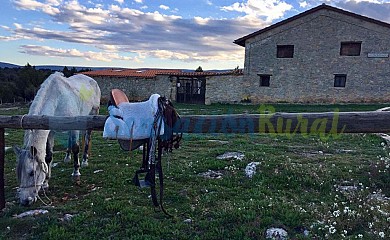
146,33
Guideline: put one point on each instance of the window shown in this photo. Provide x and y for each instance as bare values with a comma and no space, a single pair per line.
339,80
350,48
285,51
264,80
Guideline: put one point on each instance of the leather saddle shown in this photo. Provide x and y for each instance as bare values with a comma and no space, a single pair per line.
149,124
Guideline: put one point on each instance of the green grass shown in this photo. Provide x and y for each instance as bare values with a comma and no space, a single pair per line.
187,109
296,187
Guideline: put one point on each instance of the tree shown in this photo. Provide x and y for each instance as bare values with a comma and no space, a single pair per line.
66,72
199,69
21,83
237,71
73,71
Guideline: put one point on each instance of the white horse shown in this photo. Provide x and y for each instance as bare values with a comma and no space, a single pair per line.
58,96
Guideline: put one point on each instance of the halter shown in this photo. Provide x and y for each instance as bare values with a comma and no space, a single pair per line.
38,185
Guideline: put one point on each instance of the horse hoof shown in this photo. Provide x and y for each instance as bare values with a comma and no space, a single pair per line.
76,174
84,163
76,178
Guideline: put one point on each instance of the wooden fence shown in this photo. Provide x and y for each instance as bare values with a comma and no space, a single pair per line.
324,124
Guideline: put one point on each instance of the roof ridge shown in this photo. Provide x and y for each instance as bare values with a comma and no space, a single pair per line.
241,41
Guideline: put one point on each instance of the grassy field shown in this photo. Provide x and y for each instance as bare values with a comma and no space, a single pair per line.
314,189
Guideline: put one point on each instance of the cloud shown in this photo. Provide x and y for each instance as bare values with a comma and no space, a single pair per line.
164,7
372,8
303,4
138,1
209,2
28,4
120,1
72,53
49,7
376,9
114,29
268,9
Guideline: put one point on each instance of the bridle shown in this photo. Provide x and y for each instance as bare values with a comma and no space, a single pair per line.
35,185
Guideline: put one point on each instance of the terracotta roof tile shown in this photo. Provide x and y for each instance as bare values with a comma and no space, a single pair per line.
203,74
151,73
142,73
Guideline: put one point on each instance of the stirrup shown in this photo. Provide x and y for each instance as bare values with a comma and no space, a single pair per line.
142,183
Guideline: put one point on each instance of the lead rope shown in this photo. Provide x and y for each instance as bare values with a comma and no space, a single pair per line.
21,121
160,122
36,186
40,199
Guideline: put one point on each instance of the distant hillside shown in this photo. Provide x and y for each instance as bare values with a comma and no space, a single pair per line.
8,65
60,68
51,67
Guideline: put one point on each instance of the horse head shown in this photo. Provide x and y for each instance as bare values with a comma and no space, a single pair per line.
31,173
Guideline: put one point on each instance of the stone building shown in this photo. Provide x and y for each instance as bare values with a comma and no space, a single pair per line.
177,85
325,54
138,84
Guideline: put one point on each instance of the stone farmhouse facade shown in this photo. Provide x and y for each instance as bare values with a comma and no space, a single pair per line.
325,54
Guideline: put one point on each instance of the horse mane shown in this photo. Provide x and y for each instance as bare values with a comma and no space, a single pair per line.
19,168
38,104
27,138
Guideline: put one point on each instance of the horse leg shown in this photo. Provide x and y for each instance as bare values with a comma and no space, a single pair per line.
75,151
49,157
68,155
87,140
87,145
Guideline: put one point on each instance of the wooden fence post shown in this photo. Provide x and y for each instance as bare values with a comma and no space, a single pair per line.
2,160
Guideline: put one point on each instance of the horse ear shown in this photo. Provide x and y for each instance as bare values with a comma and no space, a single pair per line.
33,151
17,150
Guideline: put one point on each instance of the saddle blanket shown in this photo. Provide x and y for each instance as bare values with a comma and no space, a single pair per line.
132,120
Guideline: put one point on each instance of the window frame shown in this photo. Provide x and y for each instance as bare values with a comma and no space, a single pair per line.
340,80
265,80
346,48
285,51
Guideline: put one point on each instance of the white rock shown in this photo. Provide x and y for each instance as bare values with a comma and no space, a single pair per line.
68,217
218,141
31,213
189,220
229,155
276,233
250,169
211,174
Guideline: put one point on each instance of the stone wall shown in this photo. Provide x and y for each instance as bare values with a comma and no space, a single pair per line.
136,89
309,75
219,89
224,89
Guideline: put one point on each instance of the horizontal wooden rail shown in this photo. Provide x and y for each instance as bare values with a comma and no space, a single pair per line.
346,122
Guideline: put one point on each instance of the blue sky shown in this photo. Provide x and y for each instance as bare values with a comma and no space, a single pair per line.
146,33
